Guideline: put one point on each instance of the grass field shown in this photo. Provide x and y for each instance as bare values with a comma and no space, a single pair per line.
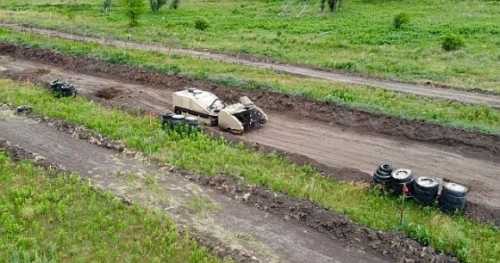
49,217
360,38
470,241
400,105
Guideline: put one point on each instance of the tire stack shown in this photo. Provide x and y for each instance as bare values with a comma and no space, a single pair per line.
62,89
425,190
192,124
400,178
452,198
166,120
180,123
382,175
171,120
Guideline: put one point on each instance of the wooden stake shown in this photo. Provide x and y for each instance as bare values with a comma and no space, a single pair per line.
402,210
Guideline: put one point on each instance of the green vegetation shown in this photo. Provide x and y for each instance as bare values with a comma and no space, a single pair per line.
452,42
377,100
400,20
360,33
106,6
48,217
133,9
201,24
471,241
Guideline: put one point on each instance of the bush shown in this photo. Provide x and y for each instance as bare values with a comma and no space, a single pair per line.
400,20
452,42
201,24
347,66
133,9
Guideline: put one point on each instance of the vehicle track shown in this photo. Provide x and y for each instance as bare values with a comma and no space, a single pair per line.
416,89
327,144
261,236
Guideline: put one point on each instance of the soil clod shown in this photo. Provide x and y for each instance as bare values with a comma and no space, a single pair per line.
108,93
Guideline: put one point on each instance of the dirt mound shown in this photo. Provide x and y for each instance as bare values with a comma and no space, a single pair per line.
108,93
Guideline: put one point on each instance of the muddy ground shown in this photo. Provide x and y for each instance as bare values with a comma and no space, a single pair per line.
294,106
242,222
348,152
430,89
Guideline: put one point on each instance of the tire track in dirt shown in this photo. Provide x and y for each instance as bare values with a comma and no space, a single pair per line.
330,145
260,236
335,77
228,222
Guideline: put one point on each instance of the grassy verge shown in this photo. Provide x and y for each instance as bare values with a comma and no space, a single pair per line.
58,218
360,38
453,114
471,241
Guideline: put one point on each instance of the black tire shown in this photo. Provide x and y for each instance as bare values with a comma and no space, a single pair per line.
384,172
402,176
399,178
379,180
382,175
177,110
449,203
454,189
453,200
427,183
425,191
424,197
386,168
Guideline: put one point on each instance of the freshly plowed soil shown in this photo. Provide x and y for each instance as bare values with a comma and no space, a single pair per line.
344,143
287,221
108,93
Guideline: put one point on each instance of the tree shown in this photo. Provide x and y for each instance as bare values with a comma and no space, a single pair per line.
106,6
156,4
332,4
133,9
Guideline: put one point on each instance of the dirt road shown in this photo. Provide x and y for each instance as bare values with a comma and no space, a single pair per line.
260,235
421,90
328,144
